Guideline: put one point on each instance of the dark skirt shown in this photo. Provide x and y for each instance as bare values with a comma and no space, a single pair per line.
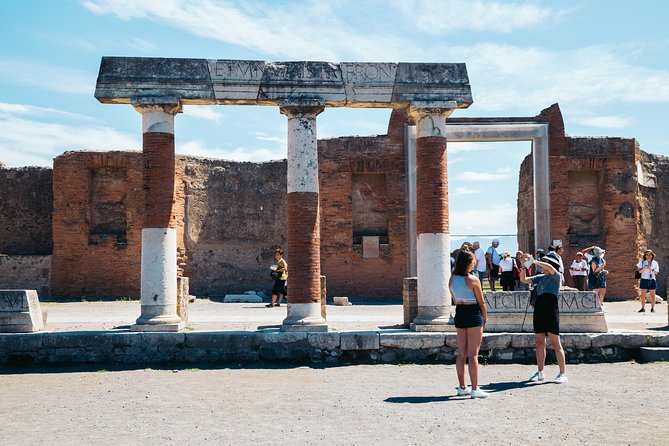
279,288
468,316
596,281
507,281
546,314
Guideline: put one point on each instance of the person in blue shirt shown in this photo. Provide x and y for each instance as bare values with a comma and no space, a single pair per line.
546,316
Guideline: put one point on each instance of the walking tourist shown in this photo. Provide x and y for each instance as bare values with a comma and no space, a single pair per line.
480,260
579,272
492,263
279,288
596,273
506,272
649,269
470,319
546,316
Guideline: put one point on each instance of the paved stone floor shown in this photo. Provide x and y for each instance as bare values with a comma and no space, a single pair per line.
603,404
209,315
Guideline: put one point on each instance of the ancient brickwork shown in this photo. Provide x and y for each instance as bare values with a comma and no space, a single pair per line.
432,185
342,261
25,211
159,178
97,220
304,246
594,200
234,214
654,212
25,273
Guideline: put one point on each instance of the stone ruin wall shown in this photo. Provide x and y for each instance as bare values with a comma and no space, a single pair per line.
595,200
654,212
25,211
25,228
363,193
232,215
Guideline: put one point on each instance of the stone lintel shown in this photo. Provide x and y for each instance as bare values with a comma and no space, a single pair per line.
252,82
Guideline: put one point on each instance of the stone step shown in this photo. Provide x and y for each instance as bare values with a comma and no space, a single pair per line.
650,354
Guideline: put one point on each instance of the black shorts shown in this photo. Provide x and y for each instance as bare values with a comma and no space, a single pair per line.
546,316
468,316
648,284
279,287
494,271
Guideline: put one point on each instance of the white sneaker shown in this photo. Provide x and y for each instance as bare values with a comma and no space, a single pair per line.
464,391
561,378
478,393
539,376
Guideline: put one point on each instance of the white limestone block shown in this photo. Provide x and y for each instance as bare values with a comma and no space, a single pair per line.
20,311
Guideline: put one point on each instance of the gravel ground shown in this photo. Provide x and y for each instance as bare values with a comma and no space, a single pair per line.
603,404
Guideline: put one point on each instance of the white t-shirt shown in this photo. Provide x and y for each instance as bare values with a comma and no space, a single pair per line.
582,266
506,264
480,259
647,274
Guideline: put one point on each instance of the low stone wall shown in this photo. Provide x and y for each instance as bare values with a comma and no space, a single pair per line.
399,346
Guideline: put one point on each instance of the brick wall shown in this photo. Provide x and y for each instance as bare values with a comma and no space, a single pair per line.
107,186
654,213
342,262
594,200
25,211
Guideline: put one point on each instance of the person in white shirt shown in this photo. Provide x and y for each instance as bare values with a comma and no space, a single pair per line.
506,273
480,260
579,272
649,268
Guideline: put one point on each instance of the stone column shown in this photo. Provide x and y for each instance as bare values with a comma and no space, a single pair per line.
304,244
159,235
542,192
432,228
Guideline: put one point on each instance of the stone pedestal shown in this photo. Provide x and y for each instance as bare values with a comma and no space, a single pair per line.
410,300
580,312
20,311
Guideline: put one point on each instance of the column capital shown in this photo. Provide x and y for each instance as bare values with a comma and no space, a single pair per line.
301,111
165,104
417,113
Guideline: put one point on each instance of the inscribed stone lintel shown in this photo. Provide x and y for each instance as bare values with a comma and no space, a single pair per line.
251,82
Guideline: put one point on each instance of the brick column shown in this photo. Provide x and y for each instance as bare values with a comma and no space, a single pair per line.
159,236
304,269
432,228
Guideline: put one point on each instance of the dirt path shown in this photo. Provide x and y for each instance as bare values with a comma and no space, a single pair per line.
351,405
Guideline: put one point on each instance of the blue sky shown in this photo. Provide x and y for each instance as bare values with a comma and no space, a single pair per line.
605,62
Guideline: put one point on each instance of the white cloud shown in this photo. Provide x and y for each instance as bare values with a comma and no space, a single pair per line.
607,122
26,142
464,190
477,219
450,16
254,154
48,77
24,109
206,112
483,176
264,136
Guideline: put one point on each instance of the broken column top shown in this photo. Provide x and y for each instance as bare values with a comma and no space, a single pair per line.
123,80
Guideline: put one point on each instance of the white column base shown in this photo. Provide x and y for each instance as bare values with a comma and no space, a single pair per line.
434,271
159,281
304,317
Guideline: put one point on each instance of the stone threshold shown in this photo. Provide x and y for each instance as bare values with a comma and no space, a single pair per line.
331,348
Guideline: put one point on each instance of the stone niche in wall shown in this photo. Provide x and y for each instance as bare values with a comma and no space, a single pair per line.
370,213
584,208
108,204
